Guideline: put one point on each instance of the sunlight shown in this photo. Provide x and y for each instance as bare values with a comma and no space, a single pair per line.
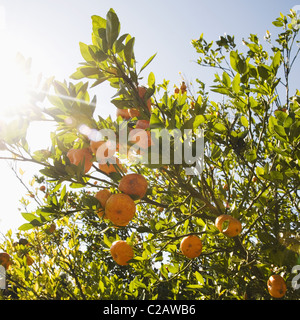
15,83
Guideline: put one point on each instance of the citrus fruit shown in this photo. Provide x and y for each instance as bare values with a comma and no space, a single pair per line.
81,156
109,168
120,209
5,260
134,185
228,225
142,124
102,196
121,252
183,87
141,138
29,260
123,113
191,246
95,145
276,286
133,112
52,228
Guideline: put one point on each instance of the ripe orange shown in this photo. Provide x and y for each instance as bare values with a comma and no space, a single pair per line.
29,260
134,185
102,196
121,252
52,227
191,246
133,112
103,150
276,286
5,260
228,225
141,138
183,87
124,113
142,124
95,145
120,209
79,156
110,167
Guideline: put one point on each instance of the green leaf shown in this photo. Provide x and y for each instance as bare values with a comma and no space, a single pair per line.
85,52
112,27
151,80
147,63
276,61
244,121
199,277
276,175
236,83
237,63
128,51
234,58
155,122
250,155
260,171
25,227
226,79
215,152
28,216
280,131
220,128
263,72
106,241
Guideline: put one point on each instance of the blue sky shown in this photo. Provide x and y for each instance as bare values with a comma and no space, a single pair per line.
49,31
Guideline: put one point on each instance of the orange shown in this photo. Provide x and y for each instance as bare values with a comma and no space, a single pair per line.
124,113
142,124
79,156
133,112
5,260
228,225
95,145
120,209
191,246
29,260
52,227
121,252
183,87
276,286
101,213
111,167
134,185
106,151
141,138
102,196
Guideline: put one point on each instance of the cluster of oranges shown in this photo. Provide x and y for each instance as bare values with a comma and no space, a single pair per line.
120,209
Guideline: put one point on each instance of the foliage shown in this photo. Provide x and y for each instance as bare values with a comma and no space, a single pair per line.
252,141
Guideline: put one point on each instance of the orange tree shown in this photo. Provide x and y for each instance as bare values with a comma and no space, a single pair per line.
249,181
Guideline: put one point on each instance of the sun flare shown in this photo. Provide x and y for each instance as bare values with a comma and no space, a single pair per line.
15,83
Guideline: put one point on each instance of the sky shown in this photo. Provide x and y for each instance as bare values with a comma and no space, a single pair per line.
49,32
